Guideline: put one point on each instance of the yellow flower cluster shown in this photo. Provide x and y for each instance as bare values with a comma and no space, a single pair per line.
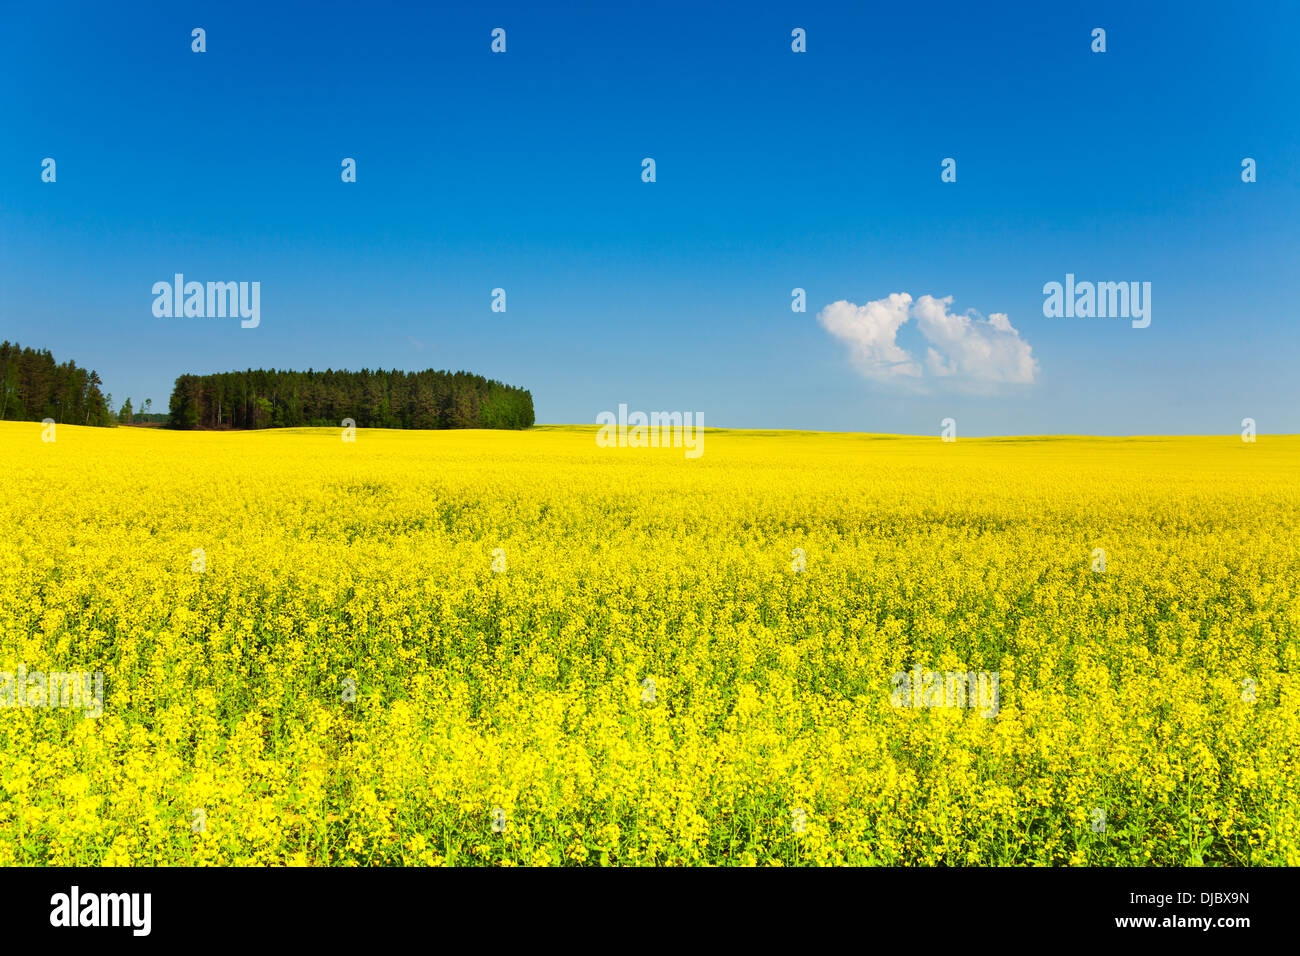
521,648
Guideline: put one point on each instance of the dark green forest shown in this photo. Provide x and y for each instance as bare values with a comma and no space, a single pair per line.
34,387
257,398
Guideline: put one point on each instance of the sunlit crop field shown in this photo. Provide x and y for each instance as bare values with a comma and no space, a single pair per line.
520,648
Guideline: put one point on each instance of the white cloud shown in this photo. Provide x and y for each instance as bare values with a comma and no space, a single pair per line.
966,351
870,331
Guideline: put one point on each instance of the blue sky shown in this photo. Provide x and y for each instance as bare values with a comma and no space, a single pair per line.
775,170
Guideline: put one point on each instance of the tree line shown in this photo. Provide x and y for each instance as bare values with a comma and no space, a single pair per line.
259,398
33,387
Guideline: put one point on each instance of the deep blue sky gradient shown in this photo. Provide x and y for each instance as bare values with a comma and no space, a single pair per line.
775,170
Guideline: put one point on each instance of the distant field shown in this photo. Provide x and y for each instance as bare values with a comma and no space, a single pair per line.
308,657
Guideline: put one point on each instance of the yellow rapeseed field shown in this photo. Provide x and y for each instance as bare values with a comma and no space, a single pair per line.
522,648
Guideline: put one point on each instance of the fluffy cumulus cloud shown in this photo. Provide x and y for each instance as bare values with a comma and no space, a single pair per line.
966,351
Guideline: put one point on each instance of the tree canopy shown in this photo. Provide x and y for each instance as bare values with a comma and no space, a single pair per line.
34,387
259,398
